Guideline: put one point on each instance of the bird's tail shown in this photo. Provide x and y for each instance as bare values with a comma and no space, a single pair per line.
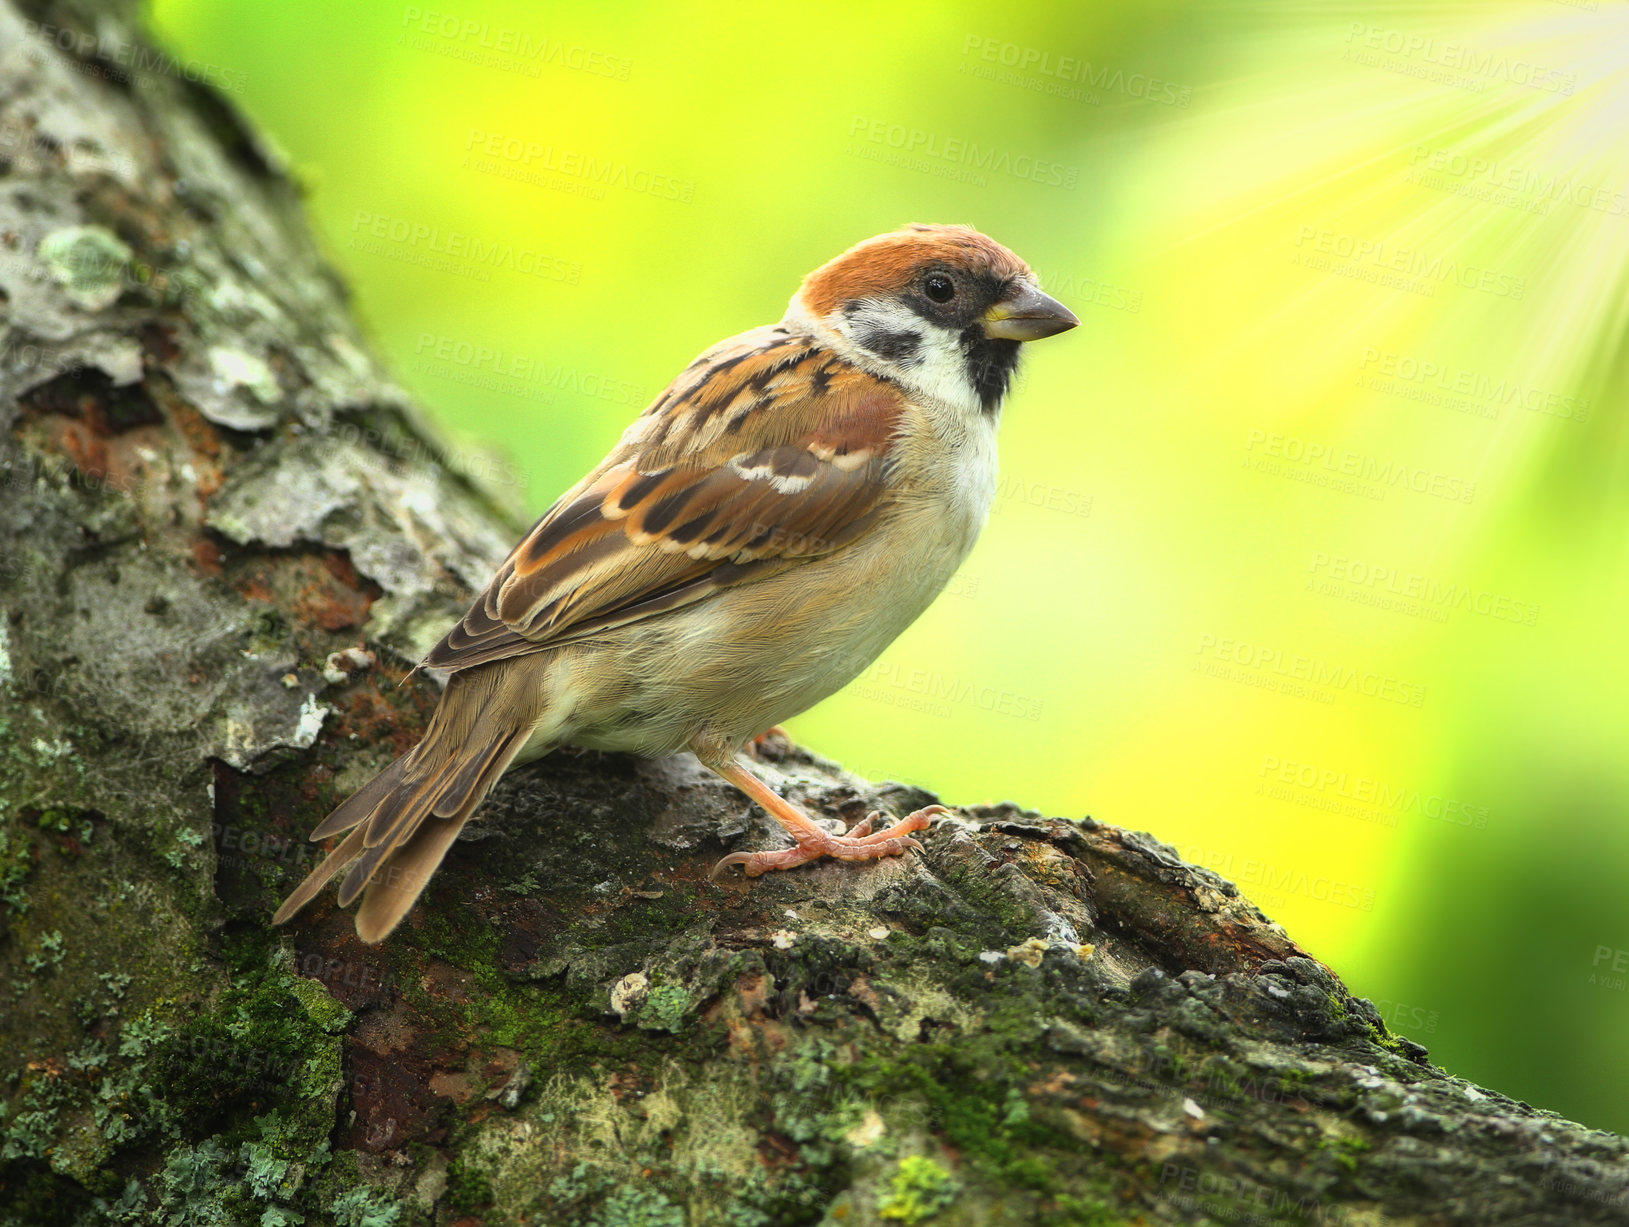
403,821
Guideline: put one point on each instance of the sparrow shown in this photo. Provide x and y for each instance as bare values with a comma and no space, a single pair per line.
780,513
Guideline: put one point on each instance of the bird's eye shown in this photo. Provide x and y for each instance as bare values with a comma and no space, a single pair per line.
939,287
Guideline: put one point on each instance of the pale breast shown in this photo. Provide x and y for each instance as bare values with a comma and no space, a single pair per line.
754,656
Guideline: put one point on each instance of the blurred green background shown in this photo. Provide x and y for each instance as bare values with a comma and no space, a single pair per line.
1311,550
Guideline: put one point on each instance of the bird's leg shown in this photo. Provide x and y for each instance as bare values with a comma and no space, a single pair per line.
813,840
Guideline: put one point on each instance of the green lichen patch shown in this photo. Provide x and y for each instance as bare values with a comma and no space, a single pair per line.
917,1191
239,1097
664,1008
365,1207
89,262
16,863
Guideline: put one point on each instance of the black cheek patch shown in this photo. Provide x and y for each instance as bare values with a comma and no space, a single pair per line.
903,347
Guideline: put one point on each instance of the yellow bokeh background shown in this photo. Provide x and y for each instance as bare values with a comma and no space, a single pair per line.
1310,555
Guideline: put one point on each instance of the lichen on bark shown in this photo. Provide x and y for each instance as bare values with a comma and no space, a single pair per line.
226,536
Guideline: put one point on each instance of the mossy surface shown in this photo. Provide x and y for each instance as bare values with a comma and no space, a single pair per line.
190,1111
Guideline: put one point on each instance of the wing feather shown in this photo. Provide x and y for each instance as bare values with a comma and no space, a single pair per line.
766,452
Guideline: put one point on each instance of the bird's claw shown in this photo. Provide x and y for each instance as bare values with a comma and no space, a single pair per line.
860,843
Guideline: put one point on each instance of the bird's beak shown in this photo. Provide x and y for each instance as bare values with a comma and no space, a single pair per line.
1026,314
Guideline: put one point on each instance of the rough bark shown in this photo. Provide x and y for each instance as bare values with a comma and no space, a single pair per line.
211,501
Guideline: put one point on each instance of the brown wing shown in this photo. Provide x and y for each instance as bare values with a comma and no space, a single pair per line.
766,452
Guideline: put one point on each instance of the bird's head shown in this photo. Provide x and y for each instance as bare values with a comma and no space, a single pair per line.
942,310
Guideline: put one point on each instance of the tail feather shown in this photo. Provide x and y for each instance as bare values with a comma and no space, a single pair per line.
451,798
445,794
397,817
364,800
392,892
398,880
306,891
407,816
456,788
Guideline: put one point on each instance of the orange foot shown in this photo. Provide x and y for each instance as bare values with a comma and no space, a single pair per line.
814,841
